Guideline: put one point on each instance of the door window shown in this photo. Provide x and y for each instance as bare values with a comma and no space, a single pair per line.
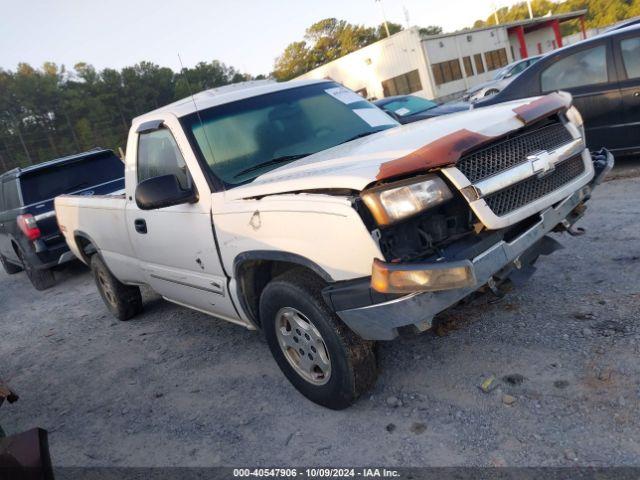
587,67
158,154
518,68
630,48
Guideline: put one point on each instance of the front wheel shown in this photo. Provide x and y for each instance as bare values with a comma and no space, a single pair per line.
321,357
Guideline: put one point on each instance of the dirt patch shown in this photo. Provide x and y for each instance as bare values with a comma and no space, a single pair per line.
174,387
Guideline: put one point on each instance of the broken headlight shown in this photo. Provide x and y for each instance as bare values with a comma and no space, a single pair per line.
391,203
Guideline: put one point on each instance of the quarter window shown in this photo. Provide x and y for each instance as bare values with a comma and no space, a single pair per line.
631,56
587,67
158,154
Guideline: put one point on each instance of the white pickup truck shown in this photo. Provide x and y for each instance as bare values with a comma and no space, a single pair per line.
303,210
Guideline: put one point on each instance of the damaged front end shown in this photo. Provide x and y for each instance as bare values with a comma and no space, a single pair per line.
508,195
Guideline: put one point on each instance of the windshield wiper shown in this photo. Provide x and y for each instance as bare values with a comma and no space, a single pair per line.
360,135
273,161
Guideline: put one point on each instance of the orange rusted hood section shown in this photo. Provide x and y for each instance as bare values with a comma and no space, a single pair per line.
444,151
542,108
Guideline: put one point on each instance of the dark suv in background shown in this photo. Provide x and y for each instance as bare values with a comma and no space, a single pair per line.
30,239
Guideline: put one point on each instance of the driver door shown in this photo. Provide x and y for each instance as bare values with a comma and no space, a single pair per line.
175,245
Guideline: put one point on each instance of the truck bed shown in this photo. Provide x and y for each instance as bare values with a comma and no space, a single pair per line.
100,219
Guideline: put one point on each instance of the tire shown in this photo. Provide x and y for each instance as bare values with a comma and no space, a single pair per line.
123,301
40,279
491,91
9,267
341,365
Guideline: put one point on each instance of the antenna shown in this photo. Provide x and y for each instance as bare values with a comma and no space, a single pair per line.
384,17
193,99
406,16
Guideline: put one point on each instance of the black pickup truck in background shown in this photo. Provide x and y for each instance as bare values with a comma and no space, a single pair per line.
30,239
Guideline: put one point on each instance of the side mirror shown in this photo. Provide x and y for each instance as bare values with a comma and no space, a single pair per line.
163,191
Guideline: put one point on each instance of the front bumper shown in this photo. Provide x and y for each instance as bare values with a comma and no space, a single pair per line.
381,321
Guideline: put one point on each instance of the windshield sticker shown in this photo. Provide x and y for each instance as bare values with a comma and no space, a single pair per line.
345,95
402,111
374,117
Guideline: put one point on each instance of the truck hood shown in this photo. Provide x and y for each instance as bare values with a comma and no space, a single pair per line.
401,150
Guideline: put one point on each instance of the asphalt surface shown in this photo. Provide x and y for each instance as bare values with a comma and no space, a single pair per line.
174,387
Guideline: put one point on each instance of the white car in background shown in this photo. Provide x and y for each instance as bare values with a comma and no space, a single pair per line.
501,79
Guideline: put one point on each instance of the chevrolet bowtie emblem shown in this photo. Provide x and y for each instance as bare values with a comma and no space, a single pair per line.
542,163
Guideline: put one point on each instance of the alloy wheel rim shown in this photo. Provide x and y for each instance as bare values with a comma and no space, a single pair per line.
303,346
106,288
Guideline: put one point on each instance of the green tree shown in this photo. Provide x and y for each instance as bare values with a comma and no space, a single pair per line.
600,13
431,30
52,111
324,41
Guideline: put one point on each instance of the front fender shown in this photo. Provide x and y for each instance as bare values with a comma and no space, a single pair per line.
323,232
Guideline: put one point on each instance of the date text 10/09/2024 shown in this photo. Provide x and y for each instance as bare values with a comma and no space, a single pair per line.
316,472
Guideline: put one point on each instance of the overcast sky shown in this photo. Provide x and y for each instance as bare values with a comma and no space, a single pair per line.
247,34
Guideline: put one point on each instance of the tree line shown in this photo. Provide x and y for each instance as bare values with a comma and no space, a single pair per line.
52,111
329,39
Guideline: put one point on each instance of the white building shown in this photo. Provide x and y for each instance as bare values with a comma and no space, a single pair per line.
442,66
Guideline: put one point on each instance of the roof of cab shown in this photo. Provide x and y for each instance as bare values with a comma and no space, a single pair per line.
16,172
221,95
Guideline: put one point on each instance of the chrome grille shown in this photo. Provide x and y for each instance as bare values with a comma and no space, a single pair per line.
529,190
509,153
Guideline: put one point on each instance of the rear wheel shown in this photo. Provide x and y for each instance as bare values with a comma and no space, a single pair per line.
41,279
9,267
491,91
321,357
123,301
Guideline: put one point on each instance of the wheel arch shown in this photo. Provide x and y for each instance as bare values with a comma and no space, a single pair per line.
254,270
85,245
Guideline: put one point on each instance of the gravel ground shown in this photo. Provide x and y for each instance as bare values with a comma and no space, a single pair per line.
177,388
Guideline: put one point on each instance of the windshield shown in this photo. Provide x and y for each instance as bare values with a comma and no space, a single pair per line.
242,140
409,105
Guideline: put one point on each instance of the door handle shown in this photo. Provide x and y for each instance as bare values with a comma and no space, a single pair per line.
140,225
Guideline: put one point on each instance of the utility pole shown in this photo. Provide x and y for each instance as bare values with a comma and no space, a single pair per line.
384,17
495,14
530,9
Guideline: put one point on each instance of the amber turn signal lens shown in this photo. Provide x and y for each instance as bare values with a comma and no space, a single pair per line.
409,278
